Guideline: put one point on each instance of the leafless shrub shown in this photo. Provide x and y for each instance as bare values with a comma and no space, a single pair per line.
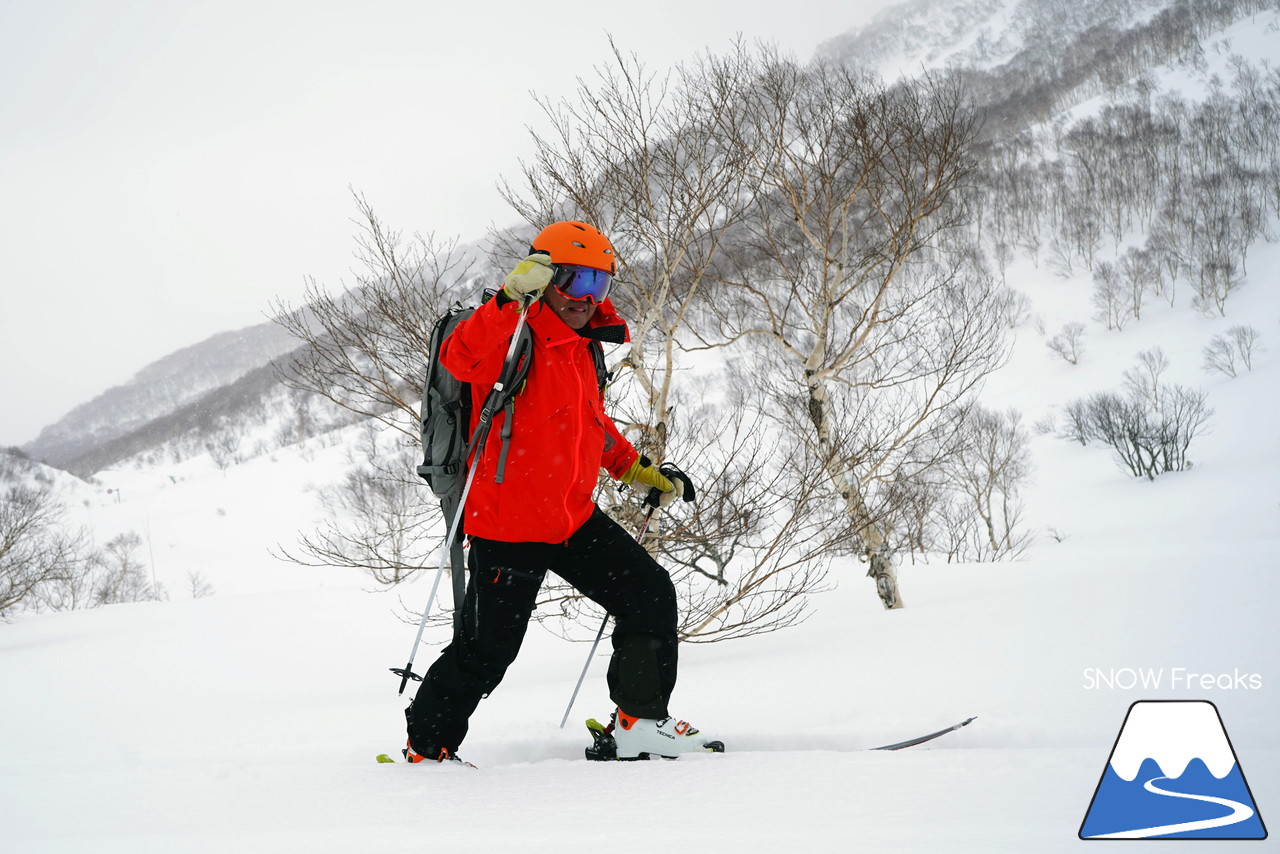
382,520
37,556
120,576
224,448
1017,309
1077,422
1069,342
1231,351
1147,440
365,349
198,585
985,471
1216,277
758,542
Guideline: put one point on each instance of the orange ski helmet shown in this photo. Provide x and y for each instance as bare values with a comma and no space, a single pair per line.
573,242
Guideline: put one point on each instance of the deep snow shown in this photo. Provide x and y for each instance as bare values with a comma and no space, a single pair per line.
248,721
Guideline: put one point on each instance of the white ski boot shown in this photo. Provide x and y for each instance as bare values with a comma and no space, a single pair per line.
642,738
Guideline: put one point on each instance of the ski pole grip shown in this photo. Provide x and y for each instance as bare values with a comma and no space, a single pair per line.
672,472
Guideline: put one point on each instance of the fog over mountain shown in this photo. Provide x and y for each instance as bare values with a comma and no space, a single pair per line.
155,392
1022,62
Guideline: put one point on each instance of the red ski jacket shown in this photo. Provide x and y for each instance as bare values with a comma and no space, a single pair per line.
560,436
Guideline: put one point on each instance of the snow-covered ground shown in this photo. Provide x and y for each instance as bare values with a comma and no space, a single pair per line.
248,721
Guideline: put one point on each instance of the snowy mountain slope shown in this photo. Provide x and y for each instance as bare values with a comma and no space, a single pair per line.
248,720
932,34
1240,438
18,471
159,411
157,390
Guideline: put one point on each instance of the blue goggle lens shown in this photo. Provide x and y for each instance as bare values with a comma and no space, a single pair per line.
578,283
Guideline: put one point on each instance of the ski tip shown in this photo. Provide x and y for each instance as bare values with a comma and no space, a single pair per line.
382,757
912,742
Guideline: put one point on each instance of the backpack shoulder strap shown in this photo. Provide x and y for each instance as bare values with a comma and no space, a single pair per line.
603,375
512,380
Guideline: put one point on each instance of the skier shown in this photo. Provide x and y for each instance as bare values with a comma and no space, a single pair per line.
533,510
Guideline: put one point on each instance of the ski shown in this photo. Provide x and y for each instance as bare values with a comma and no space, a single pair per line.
383,758
921,739
604,748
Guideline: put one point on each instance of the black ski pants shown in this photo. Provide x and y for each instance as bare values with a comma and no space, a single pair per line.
602,562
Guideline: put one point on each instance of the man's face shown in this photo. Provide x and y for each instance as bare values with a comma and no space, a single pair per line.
574,312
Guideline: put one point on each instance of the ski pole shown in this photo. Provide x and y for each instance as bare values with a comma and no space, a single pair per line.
478,441
653,499
599,634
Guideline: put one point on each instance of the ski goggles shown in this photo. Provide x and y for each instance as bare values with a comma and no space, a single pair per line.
579,283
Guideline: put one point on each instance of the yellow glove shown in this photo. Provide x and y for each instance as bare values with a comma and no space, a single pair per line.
645,473
530,277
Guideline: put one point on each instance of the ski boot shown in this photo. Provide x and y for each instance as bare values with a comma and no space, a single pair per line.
627,737
441,755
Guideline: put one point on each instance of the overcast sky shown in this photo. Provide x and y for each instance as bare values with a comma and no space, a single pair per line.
168,168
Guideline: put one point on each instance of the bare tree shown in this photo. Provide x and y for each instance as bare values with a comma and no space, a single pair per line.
843,276
381,520
366,348
1111,298
1217,277
644,157
1069,342
1229,352
366,352
121,576
758,542
652,160
37,556
987,470
1140,276
199,586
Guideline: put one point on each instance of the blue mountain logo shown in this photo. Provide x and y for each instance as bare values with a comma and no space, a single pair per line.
1173,774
